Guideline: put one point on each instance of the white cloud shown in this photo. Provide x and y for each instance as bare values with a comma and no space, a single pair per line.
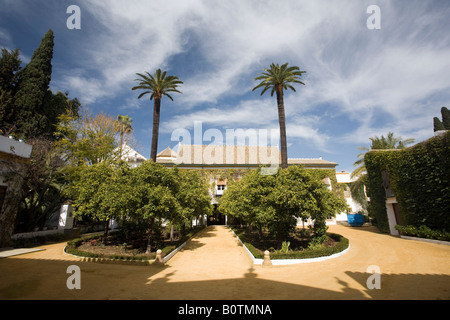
397,72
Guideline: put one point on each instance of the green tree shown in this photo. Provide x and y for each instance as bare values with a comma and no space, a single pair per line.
247,200
192,194
85,139
9,76
33,88
43,185
276,201
437,124
445,123
445,118
100,191
157,86
152,196
278,79
125,128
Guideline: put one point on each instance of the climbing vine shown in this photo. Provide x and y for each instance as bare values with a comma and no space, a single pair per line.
420,179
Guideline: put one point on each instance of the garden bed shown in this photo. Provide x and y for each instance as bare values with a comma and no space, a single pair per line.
92,248
300,248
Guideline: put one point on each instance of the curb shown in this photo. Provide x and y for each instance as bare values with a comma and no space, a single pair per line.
285,262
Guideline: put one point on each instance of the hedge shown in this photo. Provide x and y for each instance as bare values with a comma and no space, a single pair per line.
419,178
342,243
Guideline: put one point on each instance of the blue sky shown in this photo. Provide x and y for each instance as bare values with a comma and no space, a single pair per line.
360,83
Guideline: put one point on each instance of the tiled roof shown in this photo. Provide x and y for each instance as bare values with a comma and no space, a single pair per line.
232,155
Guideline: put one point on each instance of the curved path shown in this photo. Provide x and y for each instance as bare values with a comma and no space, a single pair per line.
213,265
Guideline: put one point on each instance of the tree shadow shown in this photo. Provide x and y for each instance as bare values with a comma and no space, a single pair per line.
406,286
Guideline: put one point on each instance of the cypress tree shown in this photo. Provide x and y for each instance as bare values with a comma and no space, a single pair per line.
445,118
437,124
33,88
9,73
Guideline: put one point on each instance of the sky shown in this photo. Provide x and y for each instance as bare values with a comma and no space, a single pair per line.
360,81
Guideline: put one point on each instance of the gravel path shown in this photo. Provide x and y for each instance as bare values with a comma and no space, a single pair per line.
214,266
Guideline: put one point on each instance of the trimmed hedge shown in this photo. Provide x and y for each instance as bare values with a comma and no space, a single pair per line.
342,243
423,232
420,179
72,248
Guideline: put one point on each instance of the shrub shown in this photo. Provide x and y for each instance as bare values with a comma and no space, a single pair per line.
424,232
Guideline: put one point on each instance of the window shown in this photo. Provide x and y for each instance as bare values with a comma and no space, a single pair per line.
2,195
221,187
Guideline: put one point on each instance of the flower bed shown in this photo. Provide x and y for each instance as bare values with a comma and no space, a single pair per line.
92,249
302,250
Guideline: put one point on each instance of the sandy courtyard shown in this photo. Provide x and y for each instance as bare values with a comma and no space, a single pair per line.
214,266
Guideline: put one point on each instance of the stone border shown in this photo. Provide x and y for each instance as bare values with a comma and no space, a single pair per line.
284,262
133,262
109,260
447,243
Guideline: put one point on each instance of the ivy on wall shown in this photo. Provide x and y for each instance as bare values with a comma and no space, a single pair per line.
420,179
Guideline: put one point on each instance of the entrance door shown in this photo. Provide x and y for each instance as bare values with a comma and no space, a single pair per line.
217,217
398,216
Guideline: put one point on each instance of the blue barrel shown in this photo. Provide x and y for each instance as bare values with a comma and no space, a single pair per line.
355,220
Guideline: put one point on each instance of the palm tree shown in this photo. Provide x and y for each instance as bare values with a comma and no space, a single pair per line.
157,85
390,142
278,79
125,127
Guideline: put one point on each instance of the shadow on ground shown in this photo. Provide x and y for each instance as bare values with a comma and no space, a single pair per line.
46,279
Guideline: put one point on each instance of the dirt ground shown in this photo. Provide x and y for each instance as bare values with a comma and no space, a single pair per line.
213,266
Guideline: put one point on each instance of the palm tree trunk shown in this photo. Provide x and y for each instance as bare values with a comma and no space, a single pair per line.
156,115
282,120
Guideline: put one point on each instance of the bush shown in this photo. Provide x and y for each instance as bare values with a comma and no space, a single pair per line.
314,251
419,179
424,232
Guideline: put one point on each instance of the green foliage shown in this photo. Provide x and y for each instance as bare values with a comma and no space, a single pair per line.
100,191
43,184
87,140
419,178
437,124
423,232
277,201
279,76
9,76
32,89
156,86
445,118
27,106
315,250
445,123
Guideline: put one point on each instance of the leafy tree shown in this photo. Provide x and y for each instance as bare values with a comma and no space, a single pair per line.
9,76
33,88
157,86
125,127
193,196
152,196
247,200
42,185
277,201
100,191
278,79
85,139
